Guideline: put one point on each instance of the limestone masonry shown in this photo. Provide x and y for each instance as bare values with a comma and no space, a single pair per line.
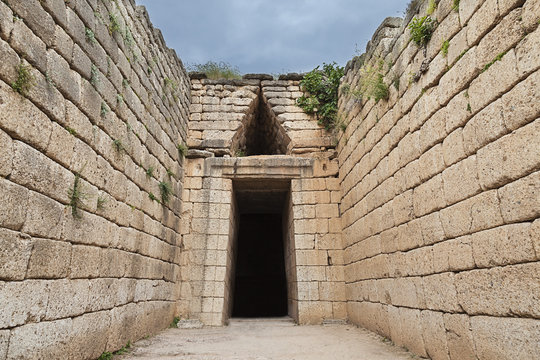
132,194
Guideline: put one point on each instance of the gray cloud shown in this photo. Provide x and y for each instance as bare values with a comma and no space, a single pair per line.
269,36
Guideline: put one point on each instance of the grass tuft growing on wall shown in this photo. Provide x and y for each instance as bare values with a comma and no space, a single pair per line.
25,79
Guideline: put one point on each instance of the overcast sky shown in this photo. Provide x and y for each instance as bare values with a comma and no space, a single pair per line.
270,36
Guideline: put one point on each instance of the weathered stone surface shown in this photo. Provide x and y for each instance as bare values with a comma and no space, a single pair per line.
520,200
49,259
42,340
459,337
15,249
13,205
503,338
23,302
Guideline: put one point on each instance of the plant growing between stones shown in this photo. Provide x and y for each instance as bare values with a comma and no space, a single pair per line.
101,201
25,79
421,30
497,58
174,323
182,150
432,6
118,146
90,36
152,197
104,110
94,76
170,173
114,24
76,196
150,171
165,190
71,131
444,48
455,6
322,93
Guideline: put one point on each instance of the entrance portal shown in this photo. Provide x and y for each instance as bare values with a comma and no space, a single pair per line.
261,275
260,283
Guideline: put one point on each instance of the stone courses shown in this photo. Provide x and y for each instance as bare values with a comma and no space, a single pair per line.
462,220
122,254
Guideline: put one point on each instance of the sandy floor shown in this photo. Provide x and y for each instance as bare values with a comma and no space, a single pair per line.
267,339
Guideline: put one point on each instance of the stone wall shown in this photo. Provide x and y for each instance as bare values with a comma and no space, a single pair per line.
107,105
441,184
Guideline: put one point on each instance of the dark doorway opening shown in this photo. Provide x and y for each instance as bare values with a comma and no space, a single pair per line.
260,282
260,275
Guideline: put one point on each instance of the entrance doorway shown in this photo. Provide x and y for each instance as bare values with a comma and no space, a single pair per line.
260,271
260,283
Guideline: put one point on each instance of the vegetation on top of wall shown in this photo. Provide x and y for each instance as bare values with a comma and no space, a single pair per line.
216,70
421,30
25,79
322,93
371,84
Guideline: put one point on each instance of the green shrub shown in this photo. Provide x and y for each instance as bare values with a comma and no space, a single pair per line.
421,30
216,70
322,93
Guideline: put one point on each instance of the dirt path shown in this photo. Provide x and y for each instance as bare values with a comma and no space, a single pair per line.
267,339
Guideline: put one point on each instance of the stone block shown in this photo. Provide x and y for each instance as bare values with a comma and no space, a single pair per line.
458,108
440,293
520,200
510,157
461,180
93,326
101,294
459,337
453,148
15,250
516,102
63,77
22,120
44,217
434,334
535,237
508,291
4,342
432,229
530,13
453,255
13,206
22,302
504,36
402,206
481,20
428,197
505,338
484,127
503,245
411,327
85,262
44,340
67,298
493,82
6,156
49,260
474,214
29,45
409,236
